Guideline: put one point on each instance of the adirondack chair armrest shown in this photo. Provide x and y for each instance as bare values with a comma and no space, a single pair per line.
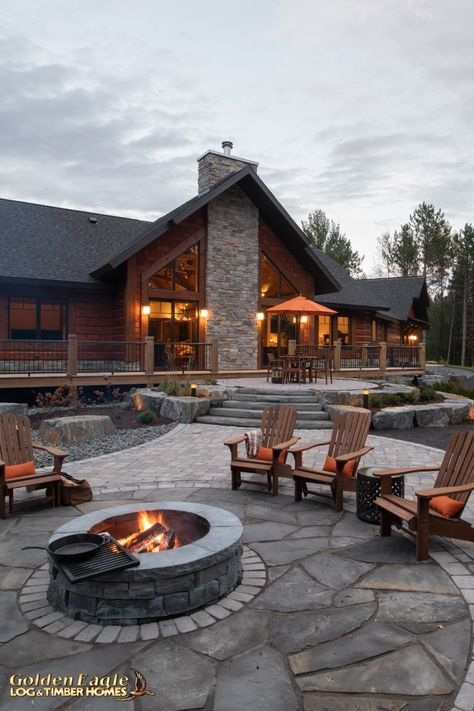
304,447
405,470
234,440
444,491
58,454
277,448
343,458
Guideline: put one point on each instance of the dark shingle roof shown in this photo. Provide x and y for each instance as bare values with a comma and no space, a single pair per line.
58,244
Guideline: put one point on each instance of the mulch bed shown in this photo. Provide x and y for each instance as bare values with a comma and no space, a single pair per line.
122,418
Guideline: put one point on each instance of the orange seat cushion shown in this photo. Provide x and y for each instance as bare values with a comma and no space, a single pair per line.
349,467
266,453
12,471
446,506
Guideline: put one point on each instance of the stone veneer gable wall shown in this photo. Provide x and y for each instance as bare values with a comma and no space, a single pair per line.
232,278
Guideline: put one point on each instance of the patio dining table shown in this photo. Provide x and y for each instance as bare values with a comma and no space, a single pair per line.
301,368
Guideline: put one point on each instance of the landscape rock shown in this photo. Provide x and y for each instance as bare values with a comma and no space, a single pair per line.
394,418
13,408
80,428
430,416
184,409
335,410
147,399
457,412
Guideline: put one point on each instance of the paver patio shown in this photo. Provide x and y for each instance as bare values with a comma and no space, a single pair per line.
335,617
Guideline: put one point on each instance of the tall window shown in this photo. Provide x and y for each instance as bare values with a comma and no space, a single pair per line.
373,330
273,284
179,275
324,330
37,318
343,329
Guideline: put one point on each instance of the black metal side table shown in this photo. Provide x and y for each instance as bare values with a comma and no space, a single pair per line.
369,489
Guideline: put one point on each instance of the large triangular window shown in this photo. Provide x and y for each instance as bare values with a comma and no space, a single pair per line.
273,285
181,274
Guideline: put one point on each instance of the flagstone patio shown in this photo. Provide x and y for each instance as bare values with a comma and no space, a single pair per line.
328,615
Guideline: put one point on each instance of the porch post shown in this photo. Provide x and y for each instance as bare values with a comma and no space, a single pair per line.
422,355
149,355
214,357
383,357
72,348
337,355
365,355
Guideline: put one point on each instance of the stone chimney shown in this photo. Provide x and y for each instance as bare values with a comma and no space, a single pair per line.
213,166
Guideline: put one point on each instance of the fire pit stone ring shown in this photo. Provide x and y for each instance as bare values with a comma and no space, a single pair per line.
204,568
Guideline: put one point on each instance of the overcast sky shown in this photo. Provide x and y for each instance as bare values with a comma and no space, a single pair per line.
362,108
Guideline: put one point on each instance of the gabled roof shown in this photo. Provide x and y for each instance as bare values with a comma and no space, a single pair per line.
54,244
270,209
387,297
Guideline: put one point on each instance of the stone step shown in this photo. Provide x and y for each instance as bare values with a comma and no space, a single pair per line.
260,406
284,392
282,399
247,414
250,423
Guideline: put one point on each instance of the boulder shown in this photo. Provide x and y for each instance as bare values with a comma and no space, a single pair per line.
457,412
430,416
335,410
13,408
332,397
184,409
66,431
394,418
147,399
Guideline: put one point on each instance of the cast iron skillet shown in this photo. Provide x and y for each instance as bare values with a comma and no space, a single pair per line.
73,547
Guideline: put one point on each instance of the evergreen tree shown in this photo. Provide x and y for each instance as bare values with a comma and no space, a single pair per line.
326,235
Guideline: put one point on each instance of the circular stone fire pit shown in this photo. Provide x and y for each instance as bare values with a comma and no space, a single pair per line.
205,567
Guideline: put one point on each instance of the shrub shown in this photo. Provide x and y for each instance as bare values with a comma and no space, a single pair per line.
427,393
375,401
64,396
170,387
409,397
146,417
394,399
448,387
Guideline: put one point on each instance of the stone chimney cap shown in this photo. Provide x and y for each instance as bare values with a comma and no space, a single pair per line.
227,155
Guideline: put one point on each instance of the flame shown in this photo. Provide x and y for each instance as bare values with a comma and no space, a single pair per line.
147,519
471,413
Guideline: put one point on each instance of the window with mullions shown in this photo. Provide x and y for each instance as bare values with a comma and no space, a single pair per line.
32,318
272,282
179,275
343,329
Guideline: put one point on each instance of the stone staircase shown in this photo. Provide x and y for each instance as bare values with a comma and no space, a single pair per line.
246,406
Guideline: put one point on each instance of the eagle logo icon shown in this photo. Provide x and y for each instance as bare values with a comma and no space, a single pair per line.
140,688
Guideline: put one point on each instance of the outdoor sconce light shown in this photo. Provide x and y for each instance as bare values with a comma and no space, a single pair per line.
204,313
146,310
193,390
260,316
365,399
304,319
412,339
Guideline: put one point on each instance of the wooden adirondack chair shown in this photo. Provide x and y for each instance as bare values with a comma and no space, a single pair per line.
278,423
17,467
346,447
455,480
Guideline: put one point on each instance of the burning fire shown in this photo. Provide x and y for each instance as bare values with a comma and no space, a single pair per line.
471,413
152,534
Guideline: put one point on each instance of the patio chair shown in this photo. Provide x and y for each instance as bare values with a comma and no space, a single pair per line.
17,467
274,369
277,425
437,510
346,447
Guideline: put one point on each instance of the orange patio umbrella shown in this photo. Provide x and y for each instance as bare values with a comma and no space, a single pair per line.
302,306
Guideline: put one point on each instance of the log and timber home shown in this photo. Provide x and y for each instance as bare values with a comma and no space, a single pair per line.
202,274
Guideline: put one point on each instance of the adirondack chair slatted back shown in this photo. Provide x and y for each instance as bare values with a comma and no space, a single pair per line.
457,467
15,439
278,423
349,432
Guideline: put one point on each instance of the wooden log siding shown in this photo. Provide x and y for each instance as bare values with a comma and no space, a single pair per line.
360,328
393,333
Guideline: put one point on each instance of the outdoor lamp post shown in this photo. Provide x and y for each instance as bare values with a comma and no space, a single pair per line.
365,399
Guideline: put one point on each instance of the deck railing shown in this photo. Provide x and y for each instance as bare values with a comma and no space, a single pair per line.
74,356
403,357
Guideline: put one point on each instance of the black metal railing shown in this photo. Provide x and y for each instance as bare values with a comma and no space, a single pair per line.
182,356
32,357
110,357
351,357
403,357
